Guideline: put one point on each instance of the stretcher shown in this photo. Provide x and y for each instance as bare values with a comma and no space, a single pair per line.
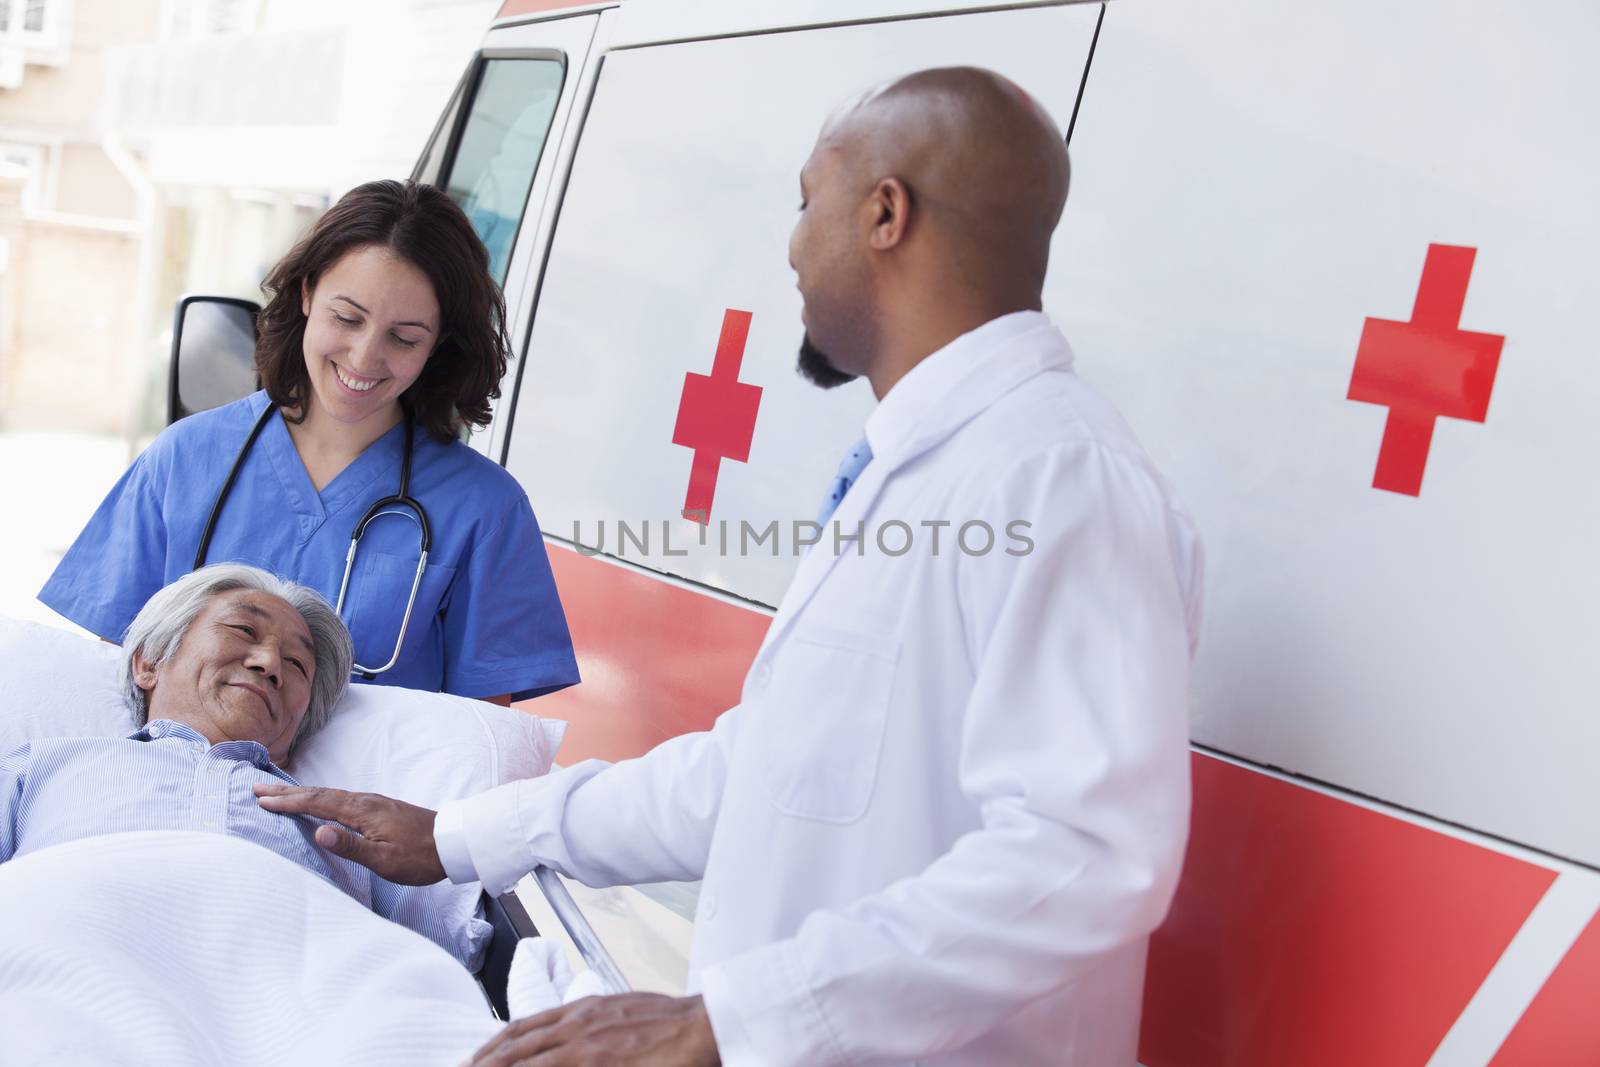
425,748
512,923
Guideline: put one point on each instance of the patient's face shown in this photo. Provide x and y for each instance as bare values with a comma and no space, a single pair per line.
242,672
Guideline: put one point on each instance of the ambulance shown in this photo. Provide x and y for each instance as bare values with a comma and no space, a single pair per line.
1335,262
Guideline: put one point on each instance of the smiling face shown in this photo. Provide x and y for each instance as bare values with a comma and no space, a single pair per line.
371,322
242,672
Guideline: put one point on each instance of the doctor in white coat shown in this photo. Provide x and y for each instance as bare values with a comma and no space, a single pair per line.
952,802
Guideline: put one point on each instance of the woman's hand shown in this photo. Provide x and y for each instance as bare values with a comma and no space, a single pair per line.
392,838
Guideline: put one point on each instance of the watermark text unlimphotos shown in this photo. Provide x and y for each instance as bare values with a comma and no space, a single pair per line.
894,537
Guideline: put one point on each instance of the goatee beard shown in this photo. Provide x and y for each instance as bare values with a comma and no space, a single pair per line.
818,369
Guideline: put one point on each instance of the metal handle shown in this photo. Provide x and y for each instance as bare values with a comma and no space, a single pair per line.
578,928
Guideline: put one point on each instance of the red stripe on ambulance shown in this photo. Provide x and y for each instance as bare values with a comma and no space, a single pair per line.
1310,930
1561,1028
657,659
529,7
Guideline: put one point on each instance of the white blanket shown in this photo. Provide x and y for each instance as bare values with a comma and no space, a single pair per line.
174,947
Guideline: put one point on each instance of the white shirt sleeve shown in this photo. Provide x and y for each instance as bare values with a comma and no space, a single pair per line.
1074,755
450,840
642,820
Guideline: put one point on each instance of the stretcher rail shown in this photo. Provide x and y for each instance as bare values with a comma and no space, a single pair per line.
572,919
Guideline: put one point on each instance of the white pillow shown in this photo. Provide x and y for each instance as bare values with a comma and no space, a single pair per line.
423,748
54,683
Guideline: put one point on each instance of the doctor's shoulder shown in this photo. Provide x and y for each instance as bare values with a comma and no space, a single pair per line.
1060,412
1055,445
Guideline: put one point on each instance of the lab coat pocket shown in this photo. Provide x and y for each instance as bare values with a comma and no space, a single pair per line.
380,586
824,721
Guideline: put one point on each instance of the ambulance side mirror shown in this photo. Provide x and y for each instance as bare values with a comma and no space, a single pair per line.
213,354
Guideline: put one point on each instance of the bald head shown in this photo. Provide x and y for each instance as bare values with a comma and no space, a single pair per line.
984,164
950,182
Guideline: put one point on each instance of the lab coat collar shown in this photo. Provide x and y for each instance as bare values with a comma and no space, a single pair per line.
934,399
955,383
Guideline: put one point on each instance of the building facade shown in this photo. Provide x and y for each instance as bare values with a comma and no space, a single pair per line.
150,148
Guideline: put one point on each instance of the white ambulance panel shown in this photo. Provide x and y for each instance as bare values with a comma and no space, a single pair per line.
1246,197
677,210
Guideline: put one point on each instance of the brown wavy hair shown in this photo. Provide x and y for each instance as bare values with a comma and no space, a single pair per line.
426,228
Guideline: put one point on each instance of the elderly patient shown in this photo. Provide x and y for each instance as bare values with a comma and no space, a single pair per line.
227,670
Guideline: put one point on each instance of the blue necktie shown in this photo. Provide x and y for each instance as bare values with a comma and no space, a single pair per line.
850,468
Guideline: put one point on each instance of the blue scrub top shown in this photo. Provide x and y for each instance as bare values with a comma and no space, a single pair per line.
487,618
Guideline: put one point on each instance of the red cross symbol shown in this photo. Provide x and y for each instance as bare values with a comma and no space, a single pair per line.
716,416
1424,369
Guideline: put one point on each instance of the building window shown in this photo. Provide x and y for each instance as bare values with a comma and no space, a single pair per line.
29,18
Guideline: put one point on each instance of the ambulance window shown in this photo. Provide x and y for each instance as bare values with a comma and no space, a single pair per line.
432,162
499,148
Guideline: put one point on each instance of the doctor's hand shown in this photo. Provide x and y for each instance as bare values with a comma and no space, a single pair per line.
392,838
642,1028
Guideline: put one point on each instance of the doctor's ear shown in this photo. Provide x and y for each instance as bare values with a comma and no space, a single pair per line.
890,214
144,672
305,297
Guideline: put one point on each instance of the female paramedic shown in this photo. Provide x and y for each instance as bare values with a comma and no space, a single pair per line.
383,336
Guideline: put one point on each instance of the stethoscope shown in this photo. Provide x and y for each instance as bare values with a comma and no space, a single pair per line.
402,499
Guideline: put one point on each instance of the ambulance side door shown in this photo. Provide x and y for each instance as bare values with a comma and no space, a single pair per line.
672,247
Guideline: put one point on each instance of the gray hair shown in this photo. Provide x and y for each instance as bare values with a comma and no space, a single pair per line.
158,629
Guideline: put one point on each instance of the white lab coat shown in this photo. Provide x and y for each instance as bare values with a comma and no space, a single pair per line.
952,802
